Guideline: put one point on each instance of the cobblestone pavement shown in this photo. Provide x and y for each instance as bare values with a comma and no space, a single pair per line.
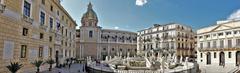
75,68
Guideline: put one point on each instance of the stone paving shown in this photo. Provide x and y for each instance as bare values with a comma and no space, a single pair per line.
75,68
216,69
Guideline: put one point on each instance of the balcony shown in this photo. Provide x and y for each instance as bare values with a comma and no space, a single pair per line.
44,27
52,30
2,8
27,19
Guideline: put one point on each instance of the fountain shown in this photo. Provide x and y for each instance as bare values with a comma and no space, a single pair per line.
156,60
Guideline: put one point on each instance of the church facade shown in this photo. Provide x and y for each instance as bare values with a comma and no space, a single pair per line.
218,45
92,40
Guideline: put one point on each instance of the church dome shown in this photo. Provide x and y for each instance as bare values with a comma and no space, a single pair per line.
90,17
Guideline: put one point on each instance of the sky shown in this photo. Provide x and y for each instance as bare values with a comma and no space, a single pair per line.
135,15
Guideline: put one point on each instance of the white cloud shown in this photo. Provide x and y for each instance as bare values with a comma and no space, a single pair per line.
116,27
235,15
141,2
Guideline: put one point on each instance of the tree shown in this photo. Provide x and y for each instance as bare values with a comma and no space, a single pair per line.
14,67
50,62
37,63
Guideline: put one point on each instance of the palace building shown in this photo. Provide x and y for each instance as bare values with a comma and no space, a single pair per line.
93,40
34,29
175,38
218,45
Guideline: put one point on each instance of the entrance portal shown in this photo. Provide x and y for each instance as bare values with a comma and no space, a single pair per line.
222,59
237,58
208,58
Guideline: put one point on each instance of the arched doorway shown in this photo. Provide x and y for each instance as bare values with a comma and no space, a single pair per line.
208,58
237,58
221,59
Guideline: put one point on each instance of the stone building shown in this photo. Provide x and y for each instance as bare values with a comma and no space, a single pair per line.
218,45
34,29
175,38
99,43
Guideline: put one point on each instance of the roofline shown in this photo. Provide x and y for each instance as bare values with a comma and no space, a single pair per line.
164,25
65,11
119,30
212,25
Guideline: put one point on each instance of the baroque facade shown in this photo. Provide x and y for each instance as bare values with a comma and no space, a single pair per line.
34,29
100,43
175,38
218,45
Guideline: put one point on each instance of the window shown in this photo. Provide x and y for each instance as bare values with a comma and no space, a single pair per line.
27,8
104,48
66,32
50,38
57,12
221,44
42,18
112,49
120,49
167,45
144,47
200,37
50,52
214,55
201,55
182,45
40,52
25,32
156,46
237,42
201,45
207,36
90,34
23,51
51,22
51,8
229,54
228,33
65,43
63,18
209,45
220,34
235,32
41,35
66,52
151,47
43,2
172,45
214,44
229,43
214,34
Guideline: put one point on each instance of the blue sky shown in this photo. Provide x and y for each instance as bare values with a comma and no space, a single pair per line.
126,15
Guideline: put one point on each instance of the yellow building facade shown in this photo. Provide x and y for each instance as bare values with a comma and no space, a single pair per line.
34,29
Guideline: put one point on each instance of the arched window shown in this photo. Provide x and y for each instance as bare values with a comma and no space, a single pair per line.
90,34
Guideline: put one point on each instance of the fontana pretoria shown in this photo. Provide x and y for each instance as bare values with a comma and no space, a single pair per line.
115,51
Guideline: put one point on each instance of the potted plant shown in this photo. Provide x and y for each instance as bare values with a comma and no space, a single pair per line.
14,67
37,63
50,62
